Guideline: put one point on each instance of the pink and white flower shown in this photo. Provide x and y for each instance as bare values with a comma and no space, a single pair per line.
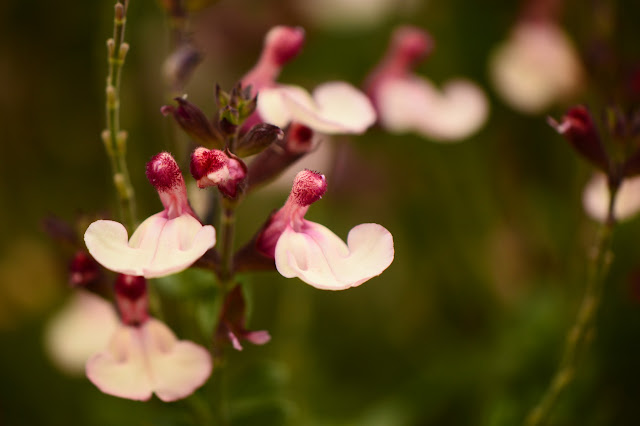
165,243
212,167
406,102
334,107
535,67
312,252
144,356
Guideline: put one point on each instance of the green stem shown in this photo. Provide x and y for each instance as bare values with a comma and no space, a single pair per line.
114,138
578,336
227,234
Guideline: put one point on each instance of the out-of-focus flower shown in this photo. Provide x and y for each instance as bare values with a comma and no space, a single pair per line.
312,252
596,197
535,67
165,243
408,103
83,270
80,329
212,167
352,14
335,107
144,356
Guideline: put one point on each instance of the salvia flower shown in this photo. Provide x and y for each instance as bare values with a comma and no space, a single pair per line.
409,103
232,325
535,67
212,167
312,252
334,107
165,243
144,356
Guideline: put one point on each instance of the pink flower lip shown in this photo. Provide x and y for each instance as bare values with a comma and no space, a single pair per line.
147,359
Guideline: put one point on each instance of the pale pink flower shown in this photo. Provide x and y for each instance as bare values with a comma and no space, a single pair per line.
312,252
596,196
144,356
535,67
80,329
165,243
409,103
335,107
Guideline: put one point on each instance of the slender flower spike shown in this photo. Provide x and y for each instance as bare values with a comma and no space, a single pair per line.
144,356
212,167
313,253
408,103
165,243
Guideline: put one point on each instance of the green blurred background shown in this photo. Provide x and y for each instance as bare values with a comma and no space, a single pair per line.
465,327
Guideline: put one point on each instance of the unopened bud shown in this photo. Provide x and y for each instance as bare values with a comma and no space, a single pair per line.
132,299
258,138
578,128
163,172
229,120
83,270
124,48
308,187
179,66
193,121
218,168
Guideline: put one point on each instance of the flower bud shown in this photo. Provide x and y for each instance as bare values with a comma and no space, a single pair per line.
193,121
578,128
131,298
83,270
179,66
212,167
258,138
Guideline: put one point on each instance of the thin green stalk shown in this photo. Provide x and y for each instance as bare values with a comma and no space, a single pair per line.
227,234
115,139
578,337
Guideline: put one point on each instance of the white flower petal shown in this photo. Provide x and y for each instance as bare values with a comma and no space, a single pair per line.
183,240
177,368
122,369
272,107
82,328
320,258
158,247
336,107
596,197
415,104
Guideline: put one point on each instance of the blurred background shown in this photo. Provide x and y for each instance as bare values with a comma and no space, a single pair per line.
465,327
